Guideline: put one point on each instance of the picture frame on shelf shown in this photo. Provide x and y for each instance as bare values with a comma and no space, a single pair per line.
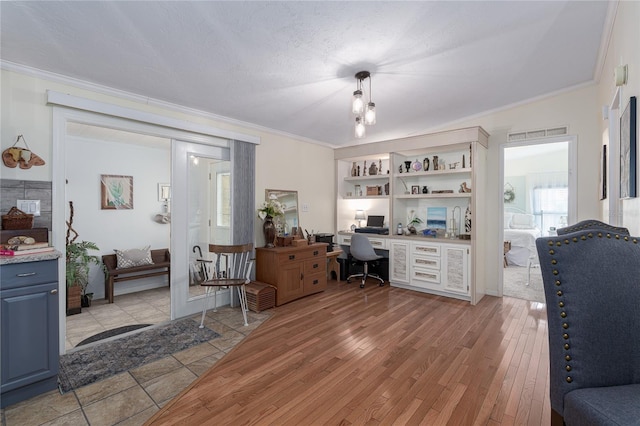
415,189
116,192
436,217
628,149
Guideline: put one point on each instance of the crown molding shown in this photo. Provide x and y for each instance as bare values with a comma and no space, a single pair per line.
121,94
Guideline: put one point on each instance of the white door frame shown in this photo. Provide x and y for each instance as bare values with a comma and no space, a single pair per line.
573,188
67,109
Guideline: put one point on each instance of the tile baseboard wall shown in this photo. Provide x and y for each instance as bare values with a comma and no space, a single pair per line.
12,190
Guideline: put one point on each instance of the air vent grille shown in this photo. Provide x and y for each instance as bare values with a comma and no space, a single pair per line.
540,133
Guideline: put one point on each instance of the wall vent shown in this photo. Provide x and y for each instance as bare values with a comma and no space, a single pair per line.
540,133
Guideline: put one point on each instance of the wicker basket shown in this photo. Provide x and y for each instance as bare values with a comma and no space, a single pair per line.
17,219
260,296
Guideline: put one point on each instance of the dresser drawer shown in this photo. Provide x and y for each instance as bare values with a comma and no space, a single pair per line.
314,266
28,273
299,255
314,283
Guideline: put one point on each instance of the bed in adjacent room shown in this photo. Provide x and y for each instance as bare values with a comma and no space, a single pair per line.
521,230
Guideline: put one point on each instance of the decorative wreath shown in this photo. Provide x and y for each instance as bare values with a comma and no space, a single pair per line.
509,193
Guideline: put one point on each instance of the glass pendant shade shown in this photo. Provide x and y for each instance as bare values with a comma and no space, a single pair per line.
370,115
359,130
358,103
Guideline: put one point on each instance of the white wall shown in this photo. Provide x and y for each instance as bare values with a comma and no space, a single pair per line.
282,162
624,48
87,160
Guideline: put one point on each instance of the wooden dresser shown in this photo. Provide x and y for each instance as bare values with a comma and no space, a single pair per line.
295,271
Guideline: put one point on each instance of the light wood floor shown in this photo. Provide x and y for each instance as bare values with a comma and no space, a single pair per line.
379,356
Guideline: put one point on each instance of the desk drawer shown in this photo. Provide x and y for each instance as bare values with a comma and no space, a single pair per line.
298,255
377,243
427,249
427,262
425,275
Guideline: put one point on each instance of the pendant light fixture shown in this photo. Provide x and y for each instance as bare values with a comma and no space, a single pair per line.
365,114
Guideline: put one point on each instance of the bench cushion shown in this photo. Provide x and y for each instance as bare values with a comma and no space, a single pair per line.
613,405
133,257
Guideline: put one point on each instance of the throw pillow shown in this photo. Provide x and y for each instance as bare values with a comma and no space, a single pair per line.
523,221
133,257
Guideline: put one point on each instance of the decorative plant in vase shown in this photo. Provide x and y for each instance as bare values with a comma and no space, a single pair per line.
412,221
78,262
267,212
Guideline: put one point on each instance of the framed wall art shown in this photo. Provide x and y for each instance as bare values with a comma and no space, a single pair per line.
603,173
116,192
628,149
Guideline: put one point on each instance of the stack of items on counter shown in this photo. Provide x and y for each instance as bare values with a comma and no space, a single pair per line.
22,245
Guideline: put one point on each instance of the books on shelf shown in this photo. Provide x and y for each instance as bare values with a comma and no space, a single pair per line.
22,251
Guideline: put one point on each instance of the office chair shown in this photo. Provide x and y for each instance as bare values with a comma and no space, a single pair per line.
231,268
362,250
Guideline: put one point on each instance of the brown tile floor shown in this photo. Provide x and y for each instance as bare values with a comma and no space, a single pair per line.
131,398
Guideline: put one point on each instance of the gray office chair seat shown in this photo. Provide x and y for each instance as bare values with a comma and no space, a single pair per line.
362,250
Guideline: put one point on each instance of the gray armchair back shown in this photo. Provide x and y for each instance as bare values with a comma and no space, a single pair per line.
592,288
592,224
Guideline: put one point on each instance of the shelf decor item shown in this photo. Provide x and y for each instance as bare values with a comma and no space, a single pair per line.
270,209
17,219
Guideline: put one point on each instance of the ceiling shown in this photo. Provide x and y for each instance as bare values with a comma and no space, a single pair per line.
290,66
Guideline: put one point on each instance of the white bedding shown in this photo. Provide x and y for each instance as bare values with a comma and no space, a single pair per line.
523,245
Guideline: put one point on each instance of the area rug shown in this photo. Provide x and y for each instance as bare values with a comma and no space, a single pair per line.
111,333
106,359
515,283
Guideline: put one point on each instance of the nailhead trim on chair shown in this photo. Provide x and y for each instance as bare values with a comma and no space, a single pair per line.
559,293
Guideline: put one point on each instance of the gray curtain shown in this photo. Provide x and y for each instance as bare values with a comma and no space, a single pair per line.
243,169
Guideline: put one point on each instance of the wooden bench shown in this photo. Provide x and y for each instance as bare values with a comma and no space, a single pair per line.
161,266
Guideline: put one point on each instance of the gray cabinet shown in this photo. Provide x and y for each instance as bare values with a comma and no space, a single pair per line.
29,329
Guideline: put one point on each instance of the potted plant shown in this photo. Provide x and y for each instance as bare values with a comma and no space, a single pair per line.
77,274
413,220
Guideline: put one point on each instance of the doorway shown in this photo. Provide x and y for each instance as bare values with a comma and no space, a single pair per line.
539,189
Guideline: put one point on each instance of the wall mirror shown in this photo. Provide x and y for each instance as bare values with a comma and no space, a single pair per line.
290,201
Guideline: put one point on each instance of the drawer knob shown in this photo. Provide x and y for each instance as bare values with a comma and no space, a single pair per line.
316,252
315,265
54,291
292,256
26,274
315,282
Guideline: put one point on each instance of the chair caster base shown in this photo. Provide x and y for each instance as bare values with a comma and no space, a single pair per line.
361,285
348,281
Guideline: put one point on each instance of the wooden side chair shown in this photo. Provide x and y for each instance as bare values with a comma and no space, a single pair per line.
230,267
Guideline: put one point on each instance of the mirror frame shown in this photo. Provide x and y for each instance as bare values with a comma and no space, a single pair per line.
291,216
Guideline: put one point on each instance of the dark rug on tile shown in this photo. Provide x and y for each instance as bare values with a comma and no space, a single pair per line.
112,333
97,362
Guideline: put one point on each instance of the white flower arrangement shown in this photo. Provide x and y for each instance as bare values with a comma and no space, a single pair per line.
271,208
412,219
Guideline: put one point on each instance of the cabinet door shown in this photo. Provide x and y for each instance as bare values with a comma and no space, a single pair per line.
455,268
398,261
290,284
29,335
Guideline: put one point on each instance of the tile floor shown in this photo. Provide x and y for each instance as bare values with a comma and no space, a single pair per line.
133,397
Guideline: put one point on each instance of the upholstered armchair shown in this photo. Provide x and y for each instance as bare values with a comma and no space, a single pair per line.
592,288
592,224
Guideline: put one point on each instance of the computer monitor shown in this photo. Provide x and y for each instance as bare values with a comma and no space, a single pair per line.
375,221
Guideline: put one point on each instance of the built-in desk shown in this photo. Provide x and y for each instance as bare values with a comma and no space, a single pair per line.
427,264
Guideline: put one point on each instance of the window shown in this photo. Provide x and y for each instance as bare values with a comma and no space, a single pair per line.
223,191
551,206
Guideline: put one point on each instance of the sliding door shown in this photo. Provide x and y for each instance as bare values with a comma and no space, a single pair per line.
201,215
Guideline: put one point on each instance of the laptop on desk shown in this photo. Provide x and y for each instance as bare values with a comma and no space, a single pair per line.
375,225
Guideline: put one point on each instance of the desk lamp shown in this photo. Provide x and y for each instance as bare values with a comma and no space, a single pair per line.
360,217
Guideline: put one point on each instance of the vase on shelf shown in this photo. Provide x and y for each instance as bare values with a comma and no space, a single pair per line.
269,231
